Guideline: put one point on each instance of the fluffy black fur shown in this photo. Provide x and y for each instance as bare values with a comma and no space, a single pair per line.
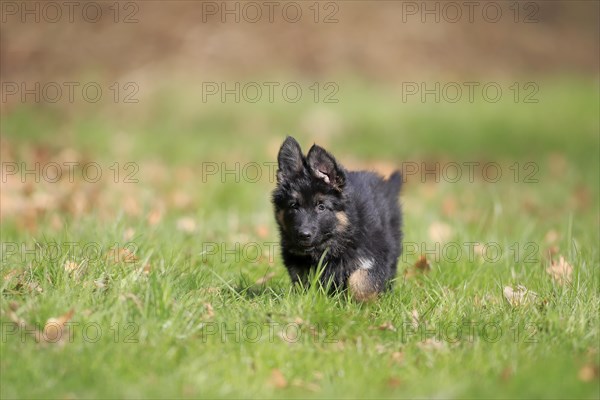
355,215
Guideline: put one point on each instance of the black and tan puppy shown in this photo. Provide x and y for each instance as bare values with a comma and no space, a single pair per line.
354,215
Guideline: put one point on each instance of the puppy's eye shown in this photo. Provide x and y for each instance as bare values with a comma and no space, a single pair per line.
294,205
321,206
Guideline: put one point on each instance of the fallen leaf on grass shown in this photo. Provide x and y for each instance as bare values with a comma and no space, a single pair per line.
128,234
210,290
415,319
449,206
210,312
380,348
313,387
387,326
520,296
480,250
265,279
134,299
431,344
551,237
398,357
506,374
440,232
11,275
181,199
146,269
421,266
19,281
277,379
154,217
560,271
289,336
262,231
121,255
394,382
55,330
551,251
186,224
71,266
588,373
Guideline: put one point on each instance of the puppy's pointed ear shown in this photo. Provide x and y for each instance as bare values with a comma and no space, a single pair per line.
324,167
290,159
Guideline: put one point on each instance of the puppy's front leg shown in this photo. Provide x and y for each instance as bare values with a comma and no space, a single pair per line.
298,274
363,283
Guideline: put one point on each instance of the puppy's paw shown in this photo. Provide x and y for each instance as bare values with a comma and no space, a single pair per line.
361,286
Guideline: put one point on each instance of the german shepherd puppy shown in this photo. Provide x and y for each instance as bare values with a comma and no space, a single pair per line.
355,216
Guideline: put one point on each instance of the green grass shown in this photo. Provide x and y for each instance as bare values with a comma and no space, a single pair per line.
198,324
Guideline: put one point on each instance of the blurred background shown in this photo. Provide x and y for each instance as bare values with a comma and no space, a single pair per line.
163,92
158,123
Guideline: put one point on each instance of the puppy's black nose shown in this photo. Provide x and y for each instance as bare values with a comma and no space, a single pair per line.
305,235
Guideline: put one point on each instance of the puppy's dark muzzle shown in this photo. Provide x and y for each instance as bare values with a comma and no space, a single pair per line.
304,239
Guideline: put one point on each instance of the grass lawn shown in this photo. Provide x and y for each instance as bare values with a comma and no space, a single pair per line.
172,272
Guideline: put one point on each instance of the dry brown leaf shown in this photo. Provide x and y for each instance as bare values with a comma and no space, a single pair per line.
34,287
71,266
146,269
440,232
210,290
394,382
387,326
181,199
277,379
560,271
588,373
186,224
520,296
414,319
265,279
131,206
210,311
289,336
101,283
431,344
134,299
128,234
313,387
479,249
551,237
154,217
12,274
27,329
262,231
506,374
449,206
380,349
551,251
121,255
55,330
398,357
422,264
56,223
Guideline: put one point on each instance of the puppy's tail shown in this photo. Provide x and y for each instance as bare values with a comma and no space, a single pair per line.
394,183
